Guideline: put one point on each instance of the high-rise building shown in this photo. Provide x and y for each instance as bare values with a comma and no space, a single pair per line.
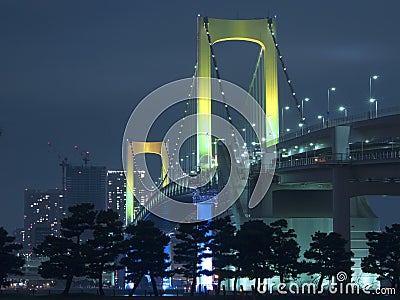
86,184
43,211
116,193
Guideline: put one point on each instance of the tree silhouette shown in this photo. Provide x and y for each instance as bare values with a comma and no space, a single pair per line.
384,255
65,254
254,244
224,253
10,263
64,262
145,253
285,251
328,255
191,251
81,219
100,252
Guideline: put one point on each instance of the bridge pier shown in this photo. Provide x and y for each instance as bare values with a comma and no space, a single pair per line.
341,202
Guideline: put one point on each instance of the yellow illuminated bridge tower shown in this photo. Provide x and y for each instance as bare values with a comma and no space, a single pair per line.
220,30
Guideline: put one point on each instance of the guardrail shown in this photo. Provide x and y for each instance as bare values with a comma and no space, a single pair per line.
340,121
380,155
299,162
338,158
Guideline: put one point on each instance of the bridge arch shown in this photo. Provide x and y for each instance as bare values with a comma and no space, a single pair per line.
220,30
136,148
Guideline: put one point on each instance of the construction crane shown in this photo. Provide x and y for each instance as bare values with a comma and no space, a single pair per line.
84,155
63,163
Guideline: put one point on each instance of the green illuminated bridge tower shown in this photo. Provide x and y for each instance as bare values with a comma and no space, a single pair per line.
212,31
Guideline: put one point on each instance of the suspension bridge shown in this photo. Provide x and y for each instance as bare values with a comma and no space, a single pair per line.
321,171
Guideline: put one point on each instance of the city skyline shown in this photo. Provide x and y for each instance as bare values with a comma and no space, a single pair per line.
73,73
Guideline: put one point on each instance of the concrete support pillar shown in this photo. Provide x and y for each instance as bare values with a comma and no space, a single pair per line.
340,143
341,202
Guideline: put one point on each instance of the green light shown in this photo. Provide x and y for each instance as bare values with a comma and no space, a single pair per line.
221,30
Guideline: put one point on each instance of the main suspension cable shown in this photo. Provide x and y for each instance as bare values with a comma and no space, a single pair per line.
182,122
288,80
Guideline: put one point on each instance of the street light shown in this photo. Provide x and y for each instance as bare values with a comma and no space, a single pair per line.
332,89
282,119
344,109
301,125
372,77
245,137
302,107
320,117
372,100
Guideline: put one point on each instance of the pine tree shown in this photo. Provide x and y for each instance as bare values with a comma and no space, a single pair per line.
384,255
145,253
10,262
328,256
285,251
222,245
254,242
192,250
65,254
101,252
64,261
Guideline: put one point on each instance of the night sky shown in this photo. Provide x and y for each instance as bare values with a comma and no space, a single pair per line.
72,71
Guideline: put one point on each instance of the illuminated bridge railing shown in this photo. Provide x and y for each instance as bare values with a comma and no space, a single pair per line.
380,155
354,157
181,186
341,121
